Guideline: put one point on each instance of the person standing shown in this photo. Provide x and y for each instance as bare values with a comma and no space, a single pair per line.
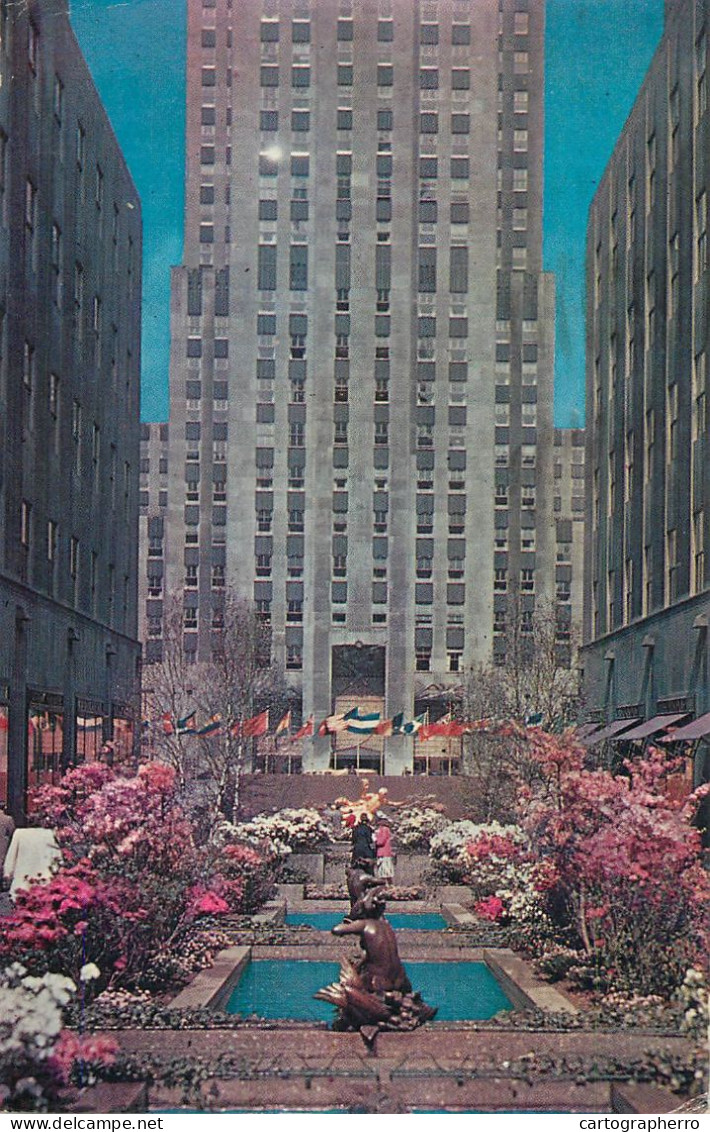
33,855
7,828
363,853
384,867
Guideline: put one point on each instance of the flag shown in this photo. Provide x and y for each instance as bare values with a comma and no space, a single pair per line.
167,722
476,725
533,719
364,726
213,724
333,724
414,725
305,730
257,725
284,724
398,723
186,725
384,727
323,728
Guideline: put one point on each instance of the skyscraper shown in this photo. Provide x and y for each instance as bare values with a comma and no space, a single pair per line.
70,269
361,366
646,560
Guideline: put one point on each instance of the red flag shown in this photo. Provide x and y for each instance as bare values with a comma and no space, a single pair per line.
384,727
167,722
257,725
306,730
323,728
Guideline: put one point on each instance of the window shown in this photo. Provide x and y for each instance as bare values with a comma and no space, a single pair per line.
460,78
301,31
345,74
266,267
460,35
701,235
32,45
300,75
429,78
385,74
381,432
298,268
520,62
345,119
25,523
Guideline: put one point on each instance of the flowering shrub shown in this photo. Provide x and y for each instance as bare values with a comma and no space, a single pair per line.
694,998
619,868
75,917
485,856
415,826
492,908
287,831
37,1055
134,880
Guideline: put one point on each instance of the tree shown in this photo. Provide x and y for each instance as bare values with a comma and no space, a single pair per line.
535,684
238,681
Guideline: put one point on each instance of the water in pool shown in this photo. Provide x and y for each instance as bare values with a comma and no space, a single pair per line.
284,988
324,921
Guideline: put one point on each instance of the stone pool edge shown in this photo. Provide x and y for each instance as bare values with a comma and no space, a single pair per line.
211,989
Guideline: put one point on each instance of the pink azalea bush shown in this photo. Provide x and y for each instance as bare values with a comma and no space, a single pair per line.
617,866
132,884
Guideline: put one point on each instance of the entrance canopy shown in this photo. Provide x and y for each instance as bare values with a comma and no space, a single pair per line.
696,729
609,732
653,726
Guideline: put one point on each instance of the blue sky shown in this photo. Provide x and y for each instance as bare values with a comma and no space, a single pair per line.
597,55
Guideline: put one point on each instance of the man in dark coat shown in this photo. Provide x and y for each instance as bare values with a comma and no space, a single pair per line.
363,845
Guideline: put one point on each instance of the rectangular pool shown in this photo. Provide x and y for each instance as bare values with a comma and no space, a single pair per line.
284,988
324,921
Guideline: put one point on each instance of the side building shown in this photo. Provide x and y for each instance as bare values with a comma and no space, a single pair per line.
569,506
648,467
153,506
70,264
362,344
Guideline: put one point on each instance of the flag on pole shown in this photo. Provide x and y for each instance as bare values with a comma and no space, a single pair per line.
384,727
213,724
167,723
322,728
284,724
256,726
305,730
186,725
364,724
414,725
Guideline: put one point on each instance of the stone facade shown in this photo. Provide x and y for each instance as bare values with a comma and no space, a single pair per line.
648,472
362,340
70,269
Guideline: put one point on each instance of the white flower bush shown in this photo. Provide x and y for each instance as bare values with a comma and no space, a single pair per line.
694,997
284,832
30,1024
449,853
415,827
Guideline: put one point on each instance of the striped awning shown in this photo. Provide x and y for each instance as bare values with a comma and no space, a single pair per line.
653,726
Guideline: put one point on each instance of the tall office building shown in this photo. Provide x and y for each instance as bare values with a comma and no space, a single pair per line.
569,505
70,264
648,487
361,368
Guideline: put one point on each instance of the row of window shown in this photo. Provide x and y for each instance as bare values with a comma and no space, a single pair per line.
301,32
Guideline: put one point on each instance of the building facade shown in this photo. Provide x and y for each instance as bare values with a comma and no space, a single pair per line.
70,262
648,486
569,505
362,340
153,506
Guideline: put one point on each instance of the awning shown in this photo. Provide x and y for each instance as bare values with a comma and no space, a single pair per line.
696,729
585,729
653,726
609,732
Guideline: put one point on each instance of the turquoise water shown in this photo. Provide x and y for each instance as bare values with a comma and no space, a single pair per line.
284,988
324,921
